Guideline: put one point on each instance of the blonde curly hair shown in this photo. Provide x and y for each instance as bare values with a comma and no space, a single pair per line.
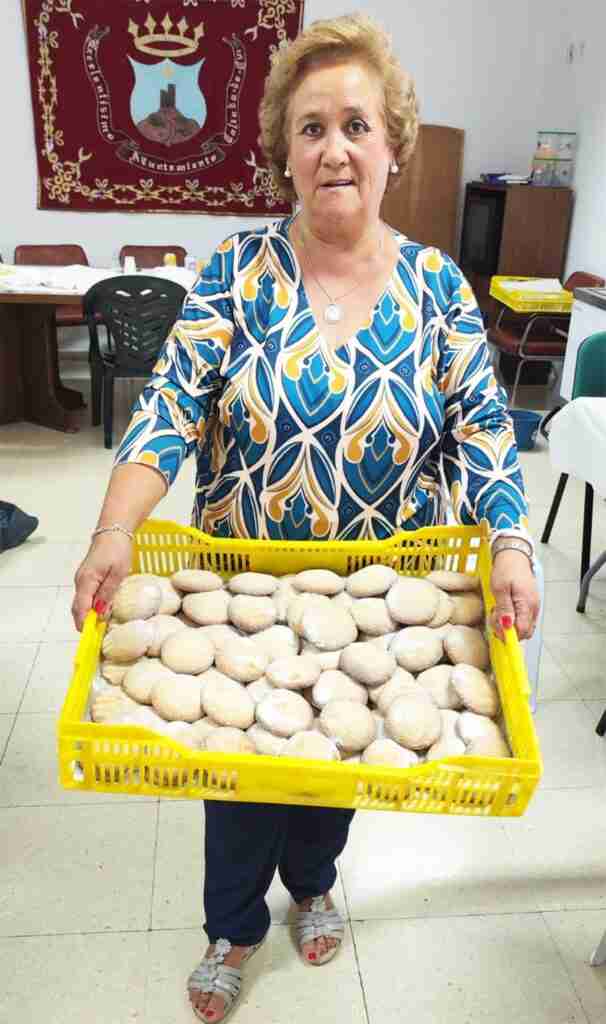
353,37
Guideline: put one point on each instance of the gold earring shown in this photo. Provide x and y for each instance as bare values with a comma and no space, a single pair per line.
394,167
287,172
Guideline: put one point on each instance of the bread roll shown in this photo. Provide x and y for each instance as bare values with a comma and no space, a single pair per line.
449,743
228,740
277,641
468,609
252,614
471,726
443,611
367,664
371,581
489,746
401,684
189,651
128,642
329,629
196,581
226,701
219,635
207,609
259,689
344,600
138,597
319,581
413,723
437,683
350,725
298,605
371,616
475,689
453,582
163,626
265,742
312,745
200,730
141,678
417,648
284,713
335,685
325,659
114,673
256,584
171,598
388,752
294,672
412,601
242,659
177,697
466,644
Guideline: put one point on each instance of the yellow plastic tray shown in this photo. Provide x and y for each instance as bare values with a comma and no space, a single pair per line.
522,301
135,760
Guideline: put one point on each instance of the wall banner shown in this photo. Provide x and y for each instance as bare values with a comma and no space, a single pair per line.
152,105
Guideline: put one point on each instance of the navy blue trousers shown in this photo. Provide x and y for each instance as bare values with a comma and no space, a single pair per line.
245,843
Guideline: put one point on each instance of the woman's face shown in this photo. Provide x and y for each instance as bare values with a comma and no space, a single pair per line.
337,145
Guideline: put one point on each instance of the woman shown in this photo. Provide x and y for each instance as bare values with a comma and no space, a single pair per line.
326,369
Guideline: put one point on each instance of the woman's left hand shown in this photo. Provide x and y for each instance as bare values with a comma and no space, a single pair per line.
516,593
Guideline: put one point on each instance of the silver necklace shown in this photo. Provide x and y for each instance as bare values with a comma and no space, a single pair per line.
333,313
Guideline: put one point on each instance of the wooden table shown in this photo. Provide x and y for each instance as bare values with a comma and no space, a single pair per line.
30,386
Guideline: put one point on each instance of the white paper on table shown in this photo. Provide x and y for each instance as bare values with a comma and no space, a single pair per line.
73,279
180,275
538,285
77,279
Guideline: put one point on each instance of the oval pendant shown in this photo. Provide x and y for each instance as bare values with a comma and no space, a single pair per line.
332,313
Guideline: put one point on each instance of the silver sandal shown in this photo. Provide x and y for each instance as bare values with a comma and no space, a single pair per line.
319,922
214,977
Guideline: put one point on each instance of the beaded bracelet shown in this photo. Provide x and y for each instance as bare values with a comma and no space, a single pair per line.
114,528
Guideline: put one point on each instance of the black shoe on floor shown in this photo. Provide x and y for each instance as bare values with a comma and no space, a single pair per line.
15,526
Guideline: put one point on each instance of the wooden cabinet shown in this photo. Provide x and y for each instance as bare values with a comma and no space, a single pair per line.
515,229
425,203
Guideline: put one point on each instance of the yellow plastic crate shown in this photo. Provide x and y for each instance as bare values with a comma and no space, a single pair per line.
522,301
135,760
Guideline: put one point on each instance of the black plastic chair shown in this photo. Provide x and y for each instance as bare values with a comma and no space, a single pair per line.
138,313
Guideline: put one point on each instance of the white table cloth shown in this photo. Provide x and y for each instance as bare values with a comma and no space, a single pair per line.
577,442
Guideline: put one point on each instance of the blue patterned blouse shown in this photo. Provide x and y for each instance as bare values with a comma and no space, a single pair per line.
295,440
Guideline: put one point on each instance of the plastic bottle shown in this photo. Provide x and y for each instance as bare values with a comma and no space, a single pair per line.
542,165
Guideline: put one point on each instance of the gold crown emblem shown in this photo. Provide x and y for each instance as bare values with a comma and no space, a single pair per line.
167,43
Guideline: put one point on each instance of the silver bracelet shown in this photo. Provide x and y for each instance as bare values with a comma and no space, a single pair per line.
511,544
114,528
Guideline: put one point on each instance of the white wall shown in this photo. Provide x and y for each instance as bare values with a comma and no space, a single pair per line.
587,246
497,72
476,67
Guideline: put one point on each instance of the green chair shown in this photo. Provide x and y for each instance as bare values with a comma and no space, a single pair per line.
589,382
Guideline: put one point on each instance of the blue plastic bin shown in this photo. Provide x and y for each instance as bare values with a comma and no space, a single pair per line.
525,428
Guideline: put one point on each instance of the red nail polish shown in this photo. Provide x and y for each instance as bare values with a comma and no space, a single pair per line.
100,607
506,621
312,956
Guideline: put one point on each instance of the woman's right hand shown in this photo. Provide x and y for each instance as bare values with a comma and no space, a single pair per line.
107,563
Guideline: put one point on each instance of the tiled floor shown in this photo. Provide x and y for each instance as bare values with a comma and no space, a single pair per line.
449,920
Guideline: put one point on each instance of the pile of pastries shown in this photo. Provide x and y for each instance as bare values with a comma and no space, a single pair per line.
374,667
